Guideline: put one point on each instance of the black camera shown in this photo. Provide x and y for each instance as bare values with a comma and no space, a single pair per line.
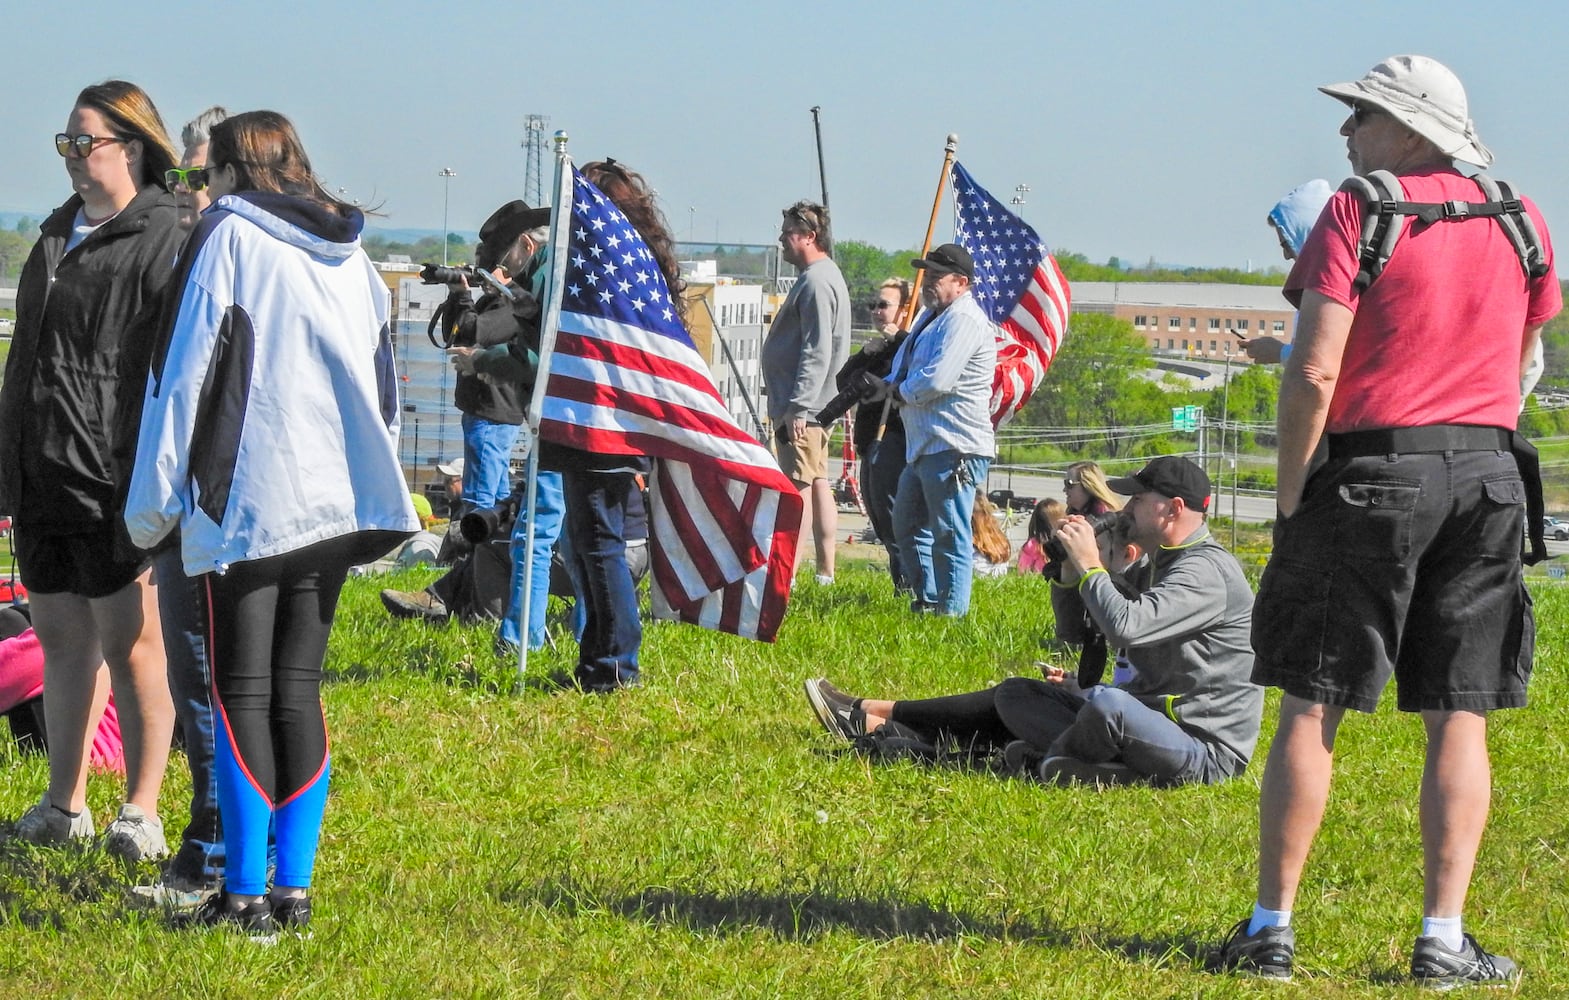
480,526
441,274
1102,523
860,388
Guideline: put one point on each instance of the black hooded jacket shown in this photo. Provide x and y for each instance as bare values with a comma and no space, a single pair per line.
86,324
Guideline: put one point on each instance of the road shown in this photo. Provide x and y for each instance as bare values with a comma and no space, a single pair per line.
1249,508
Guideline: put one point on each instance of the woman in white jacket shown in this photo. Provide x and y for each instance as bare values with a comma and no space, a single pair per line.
269,436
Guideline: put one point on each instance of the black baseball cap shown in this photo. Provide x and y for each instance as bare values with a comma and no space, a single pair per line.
950,258
1170,476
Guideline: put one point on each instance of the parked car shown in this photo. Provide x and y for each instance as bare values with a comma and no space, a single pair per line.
1554,528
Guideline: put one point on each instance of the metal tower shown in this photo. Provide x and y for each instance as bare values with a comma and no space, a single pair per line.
534,158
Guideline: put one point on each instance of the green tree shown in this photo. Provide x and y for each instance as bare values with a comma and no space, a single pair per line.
1095,382
865,267
14,248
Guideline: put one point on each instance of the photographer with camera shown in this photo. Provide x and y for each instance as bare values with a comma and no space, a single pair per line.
493,410
1190,714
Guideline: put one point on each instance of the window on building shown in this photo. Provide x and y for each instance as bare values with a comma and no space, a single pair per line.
1228,347
1174,323
1242,324
1185,343
1154,343
1193,322
1214,323
1139,322
1214,347
1280,326
1169,344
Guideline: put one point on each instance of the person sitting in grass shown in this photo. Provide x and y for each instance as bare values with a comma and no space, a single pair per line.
1189,714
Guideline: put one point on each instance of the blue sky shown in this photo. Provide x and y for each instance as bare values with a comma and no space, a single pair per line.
1143,129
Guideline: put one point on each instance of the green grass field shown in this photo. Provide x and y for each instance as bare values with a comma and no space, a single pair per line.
702,837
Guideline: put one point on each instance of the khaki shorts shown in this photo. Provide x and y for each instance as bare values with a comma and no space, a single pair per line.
805,458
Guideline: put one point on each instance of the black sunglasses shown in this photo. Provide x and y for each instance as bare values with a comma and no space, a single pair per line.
190,178
82,144
879,304
1360,113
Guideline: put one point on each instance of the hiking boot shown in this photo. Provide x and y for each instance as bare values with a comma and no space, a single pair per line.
253,918
1071,770
1021,759
47,823
1435,966
135,836
1267,954
292,914
839,713
421,604
173,894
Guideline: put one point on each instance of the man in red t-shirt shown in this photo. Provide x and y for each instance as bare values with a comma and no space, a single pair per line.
1400,554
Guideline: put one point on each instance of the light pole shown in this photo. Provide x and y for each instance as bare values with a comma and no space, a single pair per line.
446,175
1018,198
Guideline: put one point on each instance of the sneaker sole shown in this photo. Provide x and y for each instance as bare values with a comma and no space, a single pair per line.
825,712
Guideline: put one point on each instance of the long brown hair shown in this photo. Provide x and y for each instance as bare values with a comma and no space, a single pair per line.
989,539
130,112
635,198
267,155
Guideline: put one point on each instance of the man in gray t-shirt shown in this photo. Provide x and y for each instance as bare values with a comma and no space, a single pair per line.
807,343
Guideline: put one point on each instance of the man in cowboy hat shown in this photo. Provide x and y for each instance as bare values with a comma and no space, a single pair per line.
1400,554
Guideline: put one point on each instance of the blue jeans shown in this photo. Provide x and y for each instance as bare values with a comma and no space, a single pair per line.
1115,726
597,555
548,508
200,855
487,450
931,517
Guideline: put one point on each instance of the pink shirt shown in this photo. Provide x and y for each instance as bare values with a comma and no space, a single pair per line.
1437,338
22,679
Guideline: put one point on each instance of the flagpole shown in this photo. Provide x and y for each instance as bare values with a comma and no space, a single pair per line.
950,150
550,318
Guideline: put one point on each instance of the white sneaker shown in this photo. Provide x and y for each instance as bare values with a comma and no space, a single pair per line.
135,836
46,823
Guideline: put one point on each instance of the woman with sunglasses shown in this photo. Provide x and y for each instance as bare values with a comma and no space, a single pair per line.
1086,491
269,437
88,308
880,443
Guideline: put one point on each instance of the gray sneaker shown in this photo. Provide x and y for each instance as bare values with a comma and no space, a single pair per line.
46,823
172,894
1269,954
135,836
1435,966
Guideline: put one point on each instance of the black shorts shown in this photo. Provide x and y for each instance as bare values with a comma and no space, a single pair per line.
1406,565
89,564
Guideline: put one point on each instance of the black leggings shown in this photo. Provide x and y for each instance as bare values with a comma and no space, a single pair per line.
1020,708
268,627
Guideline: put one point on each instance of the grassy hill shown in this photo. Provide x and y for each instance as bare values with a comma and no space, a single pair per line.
701,836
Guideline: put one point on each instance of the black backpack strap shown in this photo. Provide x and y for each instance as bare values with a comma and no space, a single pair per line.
1516,223
1382,199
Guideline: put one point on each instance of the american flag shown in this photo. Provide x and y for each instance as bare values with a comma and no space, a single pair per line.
1018,285
625,377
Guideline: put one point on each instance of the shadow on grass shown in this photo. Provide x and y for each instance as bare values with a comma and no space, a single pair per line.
37,884
807,915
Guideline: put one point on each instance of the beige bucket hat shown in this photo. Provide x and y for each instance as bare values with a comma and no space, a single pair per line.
1424,95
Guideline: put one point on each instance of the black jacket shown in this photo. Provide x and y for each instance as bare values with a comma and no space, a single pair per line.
86,325
484,324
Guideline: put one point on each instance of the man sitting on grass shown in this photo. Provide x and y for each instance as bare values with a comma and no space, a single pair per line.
1189,715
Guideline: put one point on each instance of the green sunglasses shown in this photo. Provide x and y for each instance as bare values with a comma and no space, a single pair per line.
190,178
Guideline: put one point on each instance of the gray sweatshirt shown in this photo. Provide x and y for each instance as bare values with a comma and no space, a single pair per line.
1187,633
807,343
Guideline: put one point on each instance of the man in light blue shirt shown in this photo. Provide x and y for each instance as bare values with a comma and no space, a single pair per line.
942,382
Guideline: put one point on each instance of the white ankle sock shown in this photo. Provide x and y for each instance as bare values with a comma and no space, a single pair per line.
1447,929
1267,918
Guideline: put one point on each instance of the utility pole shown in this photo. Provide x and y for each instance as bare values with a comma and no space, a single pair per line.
446,175
534,127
